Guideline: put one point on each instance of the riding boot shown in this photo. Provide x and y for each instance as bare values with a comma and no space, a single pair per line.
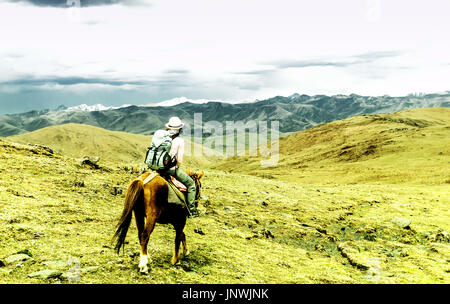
181,176
191,192
193,212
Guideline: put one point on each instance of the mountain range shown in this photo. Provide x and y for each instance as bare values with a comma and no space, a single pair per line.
294,113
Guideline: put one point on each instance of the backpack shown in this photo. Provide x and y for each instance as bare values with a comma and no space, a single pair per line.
158,157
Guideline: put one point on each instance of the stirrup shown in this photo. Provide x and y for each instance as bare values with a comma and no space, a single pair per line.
193,213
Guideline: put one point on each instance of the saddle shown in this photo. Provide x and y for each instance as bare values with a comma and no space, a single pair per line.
178,184
177,191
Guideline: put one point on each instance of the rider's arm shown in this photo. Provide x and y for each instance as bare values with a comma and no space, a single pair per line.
177,150
180,151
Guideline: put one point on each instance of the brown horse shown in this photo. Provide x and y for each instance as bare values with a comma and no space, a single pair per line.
150,206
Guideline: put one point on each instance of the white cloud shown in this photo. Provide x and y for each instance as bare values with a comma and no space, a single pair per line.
213,42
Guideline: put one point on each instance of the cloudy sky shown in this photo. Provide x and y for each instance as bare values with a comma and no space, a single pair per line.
118,52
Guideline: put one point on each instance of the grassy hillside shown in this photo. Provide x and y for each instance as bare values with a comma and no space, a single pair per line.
77,141
342,207
410,146
253,230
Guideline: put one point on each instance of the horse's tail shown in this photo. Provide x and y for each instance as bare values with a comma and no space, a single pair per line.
134,194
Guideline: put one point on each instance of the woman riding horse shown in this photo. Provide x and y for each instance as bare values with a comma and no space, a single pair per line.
174,126
147,197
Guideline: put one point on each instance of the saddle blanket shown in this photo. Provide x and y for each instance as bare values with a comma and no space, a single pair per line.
177,183
175,194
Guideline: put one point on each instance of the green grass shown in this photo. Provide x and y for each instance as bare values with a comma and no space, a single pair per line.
113,147
411,146
326,214
322,232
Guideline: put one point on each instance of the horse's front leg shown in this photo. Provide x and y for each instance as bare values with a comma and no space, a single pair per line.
176,252
185,247
179,237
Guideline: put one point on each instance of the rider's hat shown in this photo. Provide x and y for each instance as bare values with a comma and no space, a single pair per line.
174,123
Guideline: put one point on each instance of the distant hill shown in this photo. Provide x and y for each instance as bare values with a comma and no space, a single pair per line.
251,230
411,146
295,113
77,141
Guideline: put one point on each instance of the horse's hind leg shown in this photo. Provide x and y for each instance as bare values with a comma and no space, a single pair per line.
140,224
145,236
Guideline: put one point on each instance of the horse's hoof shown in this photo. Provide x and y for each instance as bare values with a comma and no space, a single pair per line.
143,270
176,262
187,253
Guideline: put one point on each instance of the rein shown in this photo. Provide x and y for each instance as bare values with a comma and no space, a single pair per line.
198,186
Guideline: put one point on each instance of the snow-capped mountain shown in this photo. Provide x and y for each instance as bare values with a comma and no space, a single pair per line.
165,103
96,107
178,100
294,113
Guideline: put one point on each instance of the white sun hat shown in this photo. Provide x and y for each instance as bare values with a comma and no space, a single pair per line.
174,123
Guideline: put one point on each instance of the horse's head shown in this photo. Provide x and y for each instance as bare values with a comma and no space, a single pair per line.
198,185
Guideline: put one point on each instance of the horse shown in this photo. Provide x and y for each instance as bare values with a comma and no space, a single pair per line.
150,206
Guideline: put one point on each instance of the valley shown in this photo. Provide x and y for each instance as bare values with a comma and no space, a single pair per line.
322,216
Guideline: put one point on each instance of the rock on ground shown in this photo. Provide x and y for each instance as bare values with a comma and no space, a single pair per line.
401,222
16,258
45,274
353,256
90,269
55,265
5,270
